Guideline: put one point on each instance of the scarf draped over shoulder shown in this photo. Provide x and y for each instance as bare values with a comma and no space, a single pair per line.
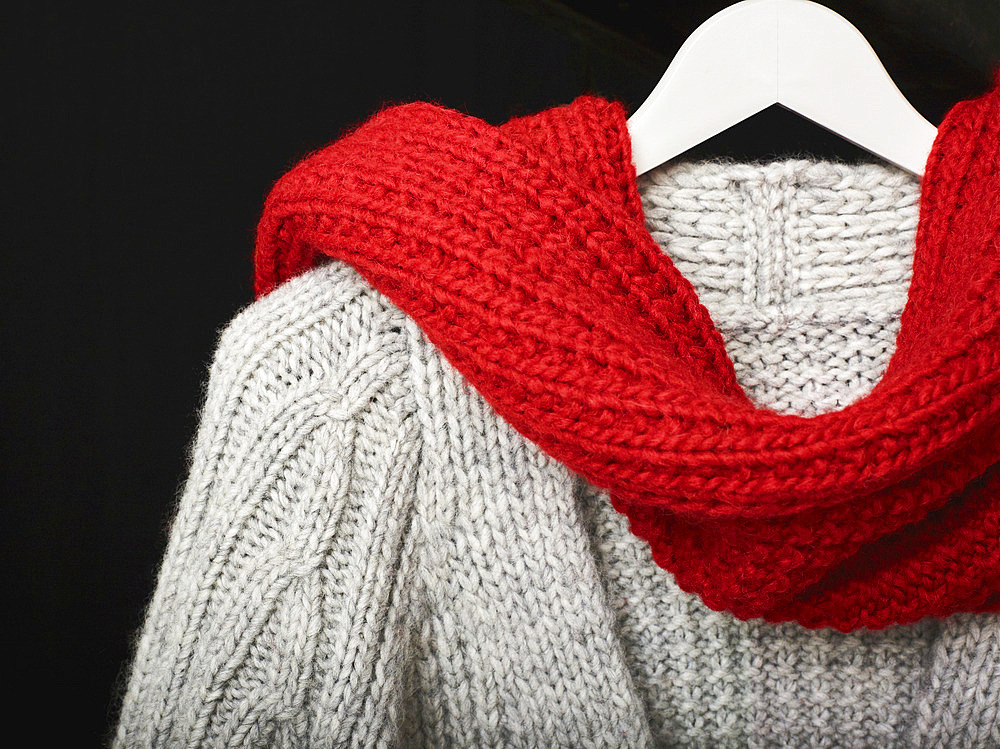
521,251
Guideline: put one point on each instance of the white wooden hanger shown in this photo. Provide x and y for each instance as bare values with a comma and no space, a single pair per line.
795,53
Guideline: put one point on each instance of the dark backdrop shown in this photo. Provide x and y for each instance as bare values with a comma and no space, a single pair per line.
143,144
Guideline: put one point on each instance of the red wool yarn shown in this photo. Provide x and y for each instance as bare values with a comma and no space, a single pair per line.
522,252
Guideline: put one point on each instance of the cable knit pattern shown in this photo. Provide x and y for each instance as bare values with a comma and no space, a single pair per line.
521,251
366,554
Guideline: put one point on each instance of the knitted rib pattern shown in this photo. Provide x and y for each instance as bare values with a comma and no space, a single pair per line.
804,268
367,554
521,251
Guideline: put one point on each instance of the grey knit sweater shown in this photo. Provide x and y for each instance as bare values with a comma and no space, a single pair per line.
365,554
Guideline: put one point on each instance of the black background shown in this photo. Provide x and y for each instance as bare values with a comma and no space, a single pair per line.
144,141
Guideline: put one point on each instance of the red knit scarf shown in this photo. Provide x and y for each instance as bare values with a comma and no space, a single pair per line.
522,252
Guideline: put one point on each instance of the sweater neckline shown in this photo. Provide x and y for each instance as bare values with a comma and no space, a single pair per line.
803,264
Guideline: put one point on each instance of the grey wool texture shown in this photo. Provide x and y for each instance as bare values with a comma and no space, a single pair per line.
366,555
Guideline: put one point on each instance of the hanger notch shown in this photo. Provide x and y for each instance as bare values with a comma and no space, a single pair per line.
795,53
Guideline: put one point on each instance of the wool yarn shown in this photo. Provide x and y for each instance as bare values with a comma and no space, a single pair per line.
521,251
366,554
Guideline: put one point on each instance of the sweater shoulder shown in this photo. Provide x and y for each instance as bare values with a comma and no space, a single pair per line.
325,341
313,326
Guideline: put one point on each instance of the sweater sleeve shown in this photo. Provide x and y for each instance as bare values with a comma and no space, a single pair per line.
281,591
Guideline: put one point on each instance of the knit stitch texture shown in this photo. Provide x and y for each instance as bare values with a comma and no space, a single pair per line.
521,251
367,554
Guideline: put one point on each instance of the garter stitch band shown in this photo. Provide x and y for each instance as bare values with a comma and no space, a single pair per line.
520,250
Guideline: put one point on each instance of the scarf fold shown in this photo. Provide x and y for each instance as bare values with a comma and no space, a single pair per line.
522,252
